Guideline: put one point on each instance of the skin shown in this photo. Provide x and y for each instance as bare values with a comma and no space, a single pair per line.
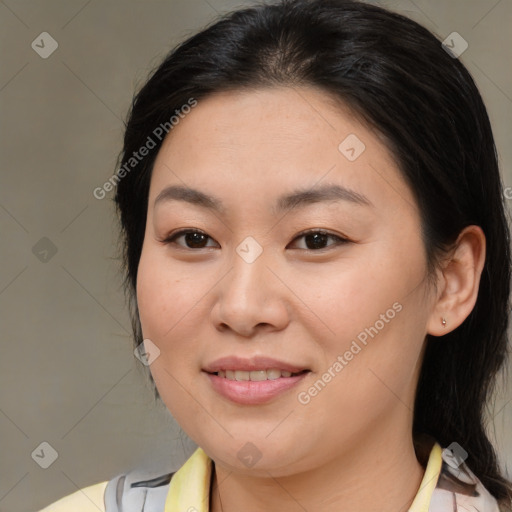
294,302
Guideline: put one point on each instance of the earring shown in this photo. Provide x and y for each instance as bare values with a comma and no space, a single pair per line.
443,321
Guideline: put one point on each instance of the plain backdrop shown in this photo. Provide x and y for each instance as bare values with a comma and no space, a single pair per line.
68,376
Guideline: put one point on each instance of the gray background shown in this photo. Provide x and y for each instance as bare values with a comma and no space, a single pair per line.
68,375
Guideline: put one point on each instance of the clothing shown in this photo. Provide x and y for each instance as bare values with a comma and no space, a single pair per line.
448,485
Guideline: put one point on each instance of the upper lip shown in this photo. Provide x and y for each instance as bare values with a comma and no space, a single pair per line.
251,364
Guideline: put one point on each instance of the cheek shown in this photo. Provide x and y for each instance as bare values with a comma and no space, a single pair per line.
162,295
163,307
169,306
151,304
376,317
348,297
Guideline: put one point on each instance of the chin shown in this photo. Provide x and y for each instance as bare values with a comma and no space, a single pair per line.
256,457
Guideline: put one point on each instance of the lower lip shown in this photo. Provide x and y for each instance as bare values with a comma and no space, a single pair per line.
249,392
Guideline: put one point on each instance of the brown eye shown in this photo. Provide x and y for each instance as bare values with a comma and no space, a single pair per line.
194,239
317,239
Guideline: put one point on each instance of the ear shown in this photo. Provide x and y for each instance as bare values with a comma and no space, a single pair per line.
458,282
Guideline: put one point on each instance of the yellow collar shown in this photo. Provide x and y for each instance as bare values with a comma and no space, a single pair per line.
189,489
428,483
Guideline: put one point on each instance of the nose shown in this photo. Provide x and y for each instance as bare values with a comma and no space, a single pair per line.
251,297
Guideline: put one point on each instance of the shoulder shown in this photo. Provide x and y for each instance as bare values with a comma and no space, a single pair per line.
131,492
458,487
448,484
136,491
88,499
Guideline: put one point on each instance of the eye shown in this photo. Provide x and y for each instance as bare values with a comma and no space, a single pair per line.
194,238
316,239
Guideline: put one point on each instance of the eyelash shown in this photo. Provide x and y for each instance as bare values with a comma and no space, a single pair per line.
340,240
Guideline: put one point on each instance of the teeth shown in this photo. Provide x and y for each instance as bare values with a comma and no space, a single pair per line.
273,374
256,375
242,375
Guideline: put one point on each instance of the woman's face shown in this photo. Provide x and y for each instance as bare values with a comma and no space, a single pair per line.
251,292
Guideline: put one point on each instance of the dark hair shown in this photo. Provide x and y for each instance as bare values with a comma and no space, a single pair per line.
398,78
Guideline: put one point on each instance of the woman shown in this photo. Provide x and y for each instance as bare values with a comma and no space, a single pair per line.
317,254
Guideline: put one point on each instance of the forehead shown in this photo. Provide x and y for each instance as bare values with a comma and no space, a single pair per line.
258,143
281,118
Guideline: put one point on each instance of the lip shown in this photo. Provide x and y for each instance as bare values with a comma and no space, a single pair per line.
248,392
252,392
251,364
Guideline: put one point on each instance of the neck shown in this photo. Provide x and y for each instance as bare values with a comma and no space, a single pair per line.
373,476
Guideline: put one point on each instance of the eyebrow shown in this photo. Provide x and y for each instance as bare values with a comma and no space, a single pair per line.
299,198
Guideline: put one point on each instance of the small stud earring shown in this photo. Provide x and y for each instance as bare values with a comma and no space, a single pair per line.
443,321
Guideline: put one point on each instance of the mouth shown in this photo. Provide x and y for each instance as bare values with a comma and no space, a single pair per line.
256,375
256,380
254,387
